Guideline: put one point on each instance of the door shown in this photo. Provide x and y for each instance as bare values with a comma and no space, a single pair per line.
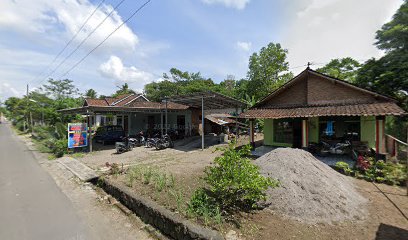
297,133
150,122
126,124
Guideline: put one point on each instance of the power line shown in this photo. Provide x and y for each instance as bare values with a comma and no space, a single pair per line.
69,42
83,41
89,53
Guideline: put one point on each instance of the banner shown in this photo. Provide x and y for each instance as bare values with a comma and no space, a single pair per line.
77,135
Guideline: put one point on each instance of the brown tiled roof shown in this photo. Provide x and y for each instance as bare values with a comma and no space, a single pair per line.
367,109
112,100
128,100
96,102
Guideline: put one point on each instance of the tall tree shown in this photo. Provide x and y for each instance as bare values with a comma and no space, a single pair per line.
124,89
343,68
90,93
389,74
267,70
60,89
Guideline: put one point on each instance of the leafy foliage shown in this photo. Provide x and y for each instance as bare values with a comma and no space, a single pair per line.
234,184
344,69
267,70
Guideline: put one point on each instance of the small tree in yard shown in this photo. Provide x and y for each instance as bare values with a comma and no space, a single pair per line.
234,184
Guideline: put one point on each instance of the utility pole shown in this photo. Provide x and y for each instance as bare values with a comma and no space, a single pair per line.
25,116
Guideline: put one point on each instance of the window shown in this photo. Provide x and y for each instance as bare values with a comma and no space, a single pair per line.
283,131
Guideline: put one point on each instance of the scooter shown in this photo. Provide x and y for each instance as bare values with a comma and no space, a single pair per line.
338,148
125,146
164,142
151,142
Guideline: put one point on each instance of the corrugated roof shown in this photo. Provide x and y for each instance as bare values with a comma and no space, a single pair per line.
157,105
368,109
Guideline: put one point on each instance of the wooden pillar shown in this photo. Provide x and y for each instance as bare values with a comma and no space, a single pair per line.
305,134
252,133
379,135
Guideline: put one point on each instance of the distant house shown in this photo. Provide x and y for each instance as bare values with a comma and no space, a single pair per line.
313,106
135,113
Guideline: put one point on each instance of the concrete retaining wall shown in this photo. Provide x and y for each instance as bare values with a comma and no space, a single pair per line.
150,212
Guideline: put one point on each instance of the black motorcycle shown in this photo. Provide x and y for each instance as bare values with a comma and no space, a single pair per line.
164,142
126,145
151,142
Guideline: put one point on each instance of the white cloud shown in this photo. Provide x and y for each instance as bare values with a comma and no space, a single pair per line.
327,29
65,17
245,46
115,69
238,4
7,90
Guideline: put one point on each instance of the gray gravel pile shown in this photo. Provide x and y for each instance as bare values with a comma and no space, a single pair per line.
310,191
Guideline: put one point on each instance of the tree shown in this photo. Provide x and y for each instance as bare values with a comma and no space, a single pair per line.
179,83
60,89
343,68
389,74
124,89
90,93
267,70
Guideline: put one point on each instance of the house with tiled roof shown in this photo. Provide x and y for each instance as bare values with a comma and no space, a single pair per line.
313,107
135,113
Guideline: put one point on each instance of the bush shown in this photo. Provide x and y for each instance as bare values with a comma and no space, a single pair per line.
60,147
343,167
235,182
202,204
380,171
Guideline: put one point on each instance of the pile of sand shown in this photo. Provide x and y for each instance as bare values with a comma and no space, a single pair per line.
310,190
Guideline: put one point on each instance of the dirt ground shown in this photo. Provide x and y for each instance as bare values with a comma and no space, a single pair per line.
387,205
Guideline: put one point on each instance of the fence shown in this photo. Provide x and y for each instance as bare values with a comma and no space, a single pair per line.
396,148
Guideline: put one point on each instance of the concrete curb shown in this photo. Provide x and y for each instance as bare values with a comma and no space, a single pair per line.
150,212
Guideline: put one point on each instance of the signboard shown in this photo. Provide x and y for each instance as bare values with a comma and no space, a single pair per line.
77,135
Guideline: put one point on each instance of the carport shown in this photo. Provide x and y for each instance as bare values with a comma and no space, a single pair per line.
210,101
138,107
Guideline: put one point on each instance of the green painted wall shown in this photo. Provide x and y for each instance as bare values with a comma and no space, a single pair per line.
268,132
368,130
268,135
314,129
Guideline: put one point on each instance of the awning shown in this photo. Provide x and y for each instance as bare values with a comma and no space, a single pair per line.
368,109
212,100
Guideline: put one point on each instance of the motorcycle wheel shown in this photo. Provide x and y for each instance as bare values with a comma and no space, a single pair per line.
158,146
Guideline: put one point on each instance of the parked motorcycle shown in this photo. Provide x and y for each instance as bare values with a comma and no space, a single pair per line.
151,142
126,145
164,142
337,148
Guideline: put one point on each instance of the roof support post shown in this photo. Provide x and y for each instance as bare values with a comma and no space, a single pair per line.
236,123
252,133
202,123
90,132
161,123
379,136
166,116
305,133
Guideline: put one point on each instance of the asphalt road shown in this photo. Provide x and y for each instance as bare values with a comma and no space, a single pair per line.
31,204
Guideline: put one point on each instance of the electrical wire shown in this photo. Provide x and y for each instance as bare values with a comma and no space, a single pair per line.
69,42
83,41
107,37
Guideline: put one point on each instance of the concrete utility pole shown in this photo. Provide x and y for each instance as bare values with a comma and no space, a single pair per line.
26,117
202,123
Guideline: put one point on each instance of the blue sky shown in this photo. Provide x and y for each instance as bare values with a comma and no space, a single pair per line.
215,37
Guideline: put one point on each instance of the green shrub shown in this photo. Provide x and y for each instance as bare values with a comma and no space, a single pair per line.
235,182
60,147
344,168
202,204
